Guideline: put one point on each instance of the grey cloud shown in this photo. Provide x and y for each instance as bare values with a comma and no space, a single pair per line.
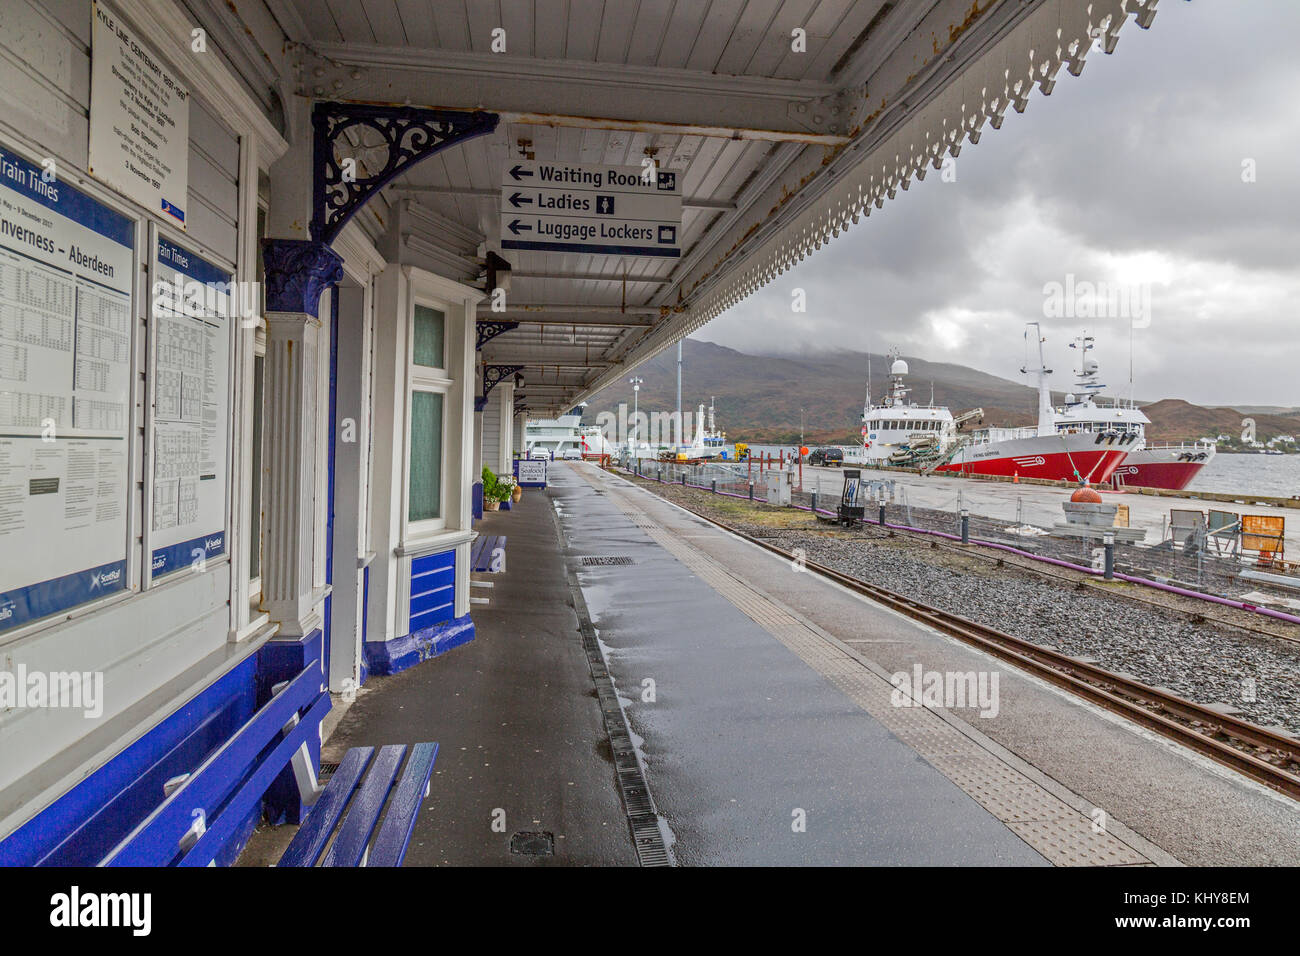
1135,163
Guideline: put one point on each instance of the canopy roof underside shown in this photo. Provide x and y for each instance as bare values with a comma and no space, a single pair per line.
779,151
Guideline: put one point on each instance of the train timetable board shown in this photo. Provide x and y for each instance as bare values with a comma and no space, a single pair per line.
610,210
191,323
67,267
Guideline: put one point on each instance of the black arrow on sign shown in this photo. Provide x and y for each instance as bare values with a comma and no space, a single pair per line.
517,198
518,172
516,228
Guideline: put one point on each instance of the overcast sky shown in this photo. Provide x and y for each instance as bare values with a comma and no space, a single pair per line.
1129,173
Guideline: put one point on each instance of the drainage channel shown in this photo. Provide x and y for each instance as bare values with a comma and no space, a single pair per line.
639,805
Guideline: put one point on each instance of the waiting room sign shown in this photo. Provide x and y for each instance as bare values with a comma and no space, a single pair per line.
615,210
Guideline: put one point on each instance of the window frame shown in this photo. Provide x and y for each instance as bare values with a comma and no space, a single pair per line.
428,379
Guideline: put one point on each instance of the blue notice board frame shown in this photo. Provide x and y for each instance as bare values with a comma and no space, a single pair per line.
33,603
182,258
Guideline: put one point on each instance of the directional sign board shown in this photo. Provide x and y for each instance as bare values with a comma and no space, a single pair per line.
614,210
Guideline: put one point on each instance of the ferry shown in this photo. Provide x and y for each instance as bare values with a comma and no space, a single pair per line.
565,437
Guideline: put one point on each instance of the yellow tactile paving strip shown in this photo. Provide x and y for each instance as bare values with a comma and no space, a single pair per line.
1062,834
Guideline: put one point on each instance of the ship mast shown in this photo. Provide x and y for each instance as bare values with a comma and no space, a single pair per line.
1046,416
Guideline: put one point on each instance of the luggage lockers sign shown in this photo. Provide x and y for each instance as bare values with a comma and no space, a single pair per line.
66,271
139,120
613,210
190,325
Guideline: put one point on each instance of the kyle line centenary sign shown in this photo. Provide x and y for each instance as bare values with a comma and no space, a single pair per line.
139,120
611,210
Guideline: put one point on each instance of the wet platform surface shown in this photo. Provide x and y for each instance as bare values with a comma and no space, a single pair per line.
759,702
522,745
743,738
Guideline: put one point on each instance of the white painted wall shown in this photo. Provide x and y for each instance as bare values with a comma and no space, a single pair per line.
154,648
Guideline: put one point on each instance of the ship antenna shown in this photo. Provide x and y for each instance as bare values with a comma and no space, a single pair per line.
1132,396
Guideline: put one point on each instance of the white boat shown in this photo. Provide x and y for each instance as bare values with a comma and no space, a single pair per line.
901,432
563,437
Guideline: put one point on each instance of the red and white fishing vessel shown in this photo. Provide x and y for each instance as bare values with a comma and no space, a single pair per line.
1062,447
1147,464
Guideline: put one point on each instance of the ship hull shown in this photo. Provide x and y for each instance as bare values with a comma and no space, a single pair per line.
1153,468
1057,458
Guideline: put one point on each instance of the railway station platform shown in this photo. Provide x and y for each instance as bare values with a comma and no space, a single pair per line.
766,729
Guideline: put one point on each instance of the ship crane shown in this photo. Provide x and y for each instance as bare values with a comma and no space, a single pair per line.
964,417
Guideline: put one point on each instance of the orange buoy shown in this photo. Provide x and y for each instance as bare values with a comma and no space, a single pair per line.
1087,495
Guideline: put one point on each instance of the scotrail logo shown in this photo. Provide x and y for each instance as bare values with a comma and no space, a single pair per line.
212,544
949,690
103,579
70,690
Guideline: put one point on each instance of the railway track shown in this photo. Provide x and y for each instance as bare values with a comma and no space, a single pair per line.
1264,755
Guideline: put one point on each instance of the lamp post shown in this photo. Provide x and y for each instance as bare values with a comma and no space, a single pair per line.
635,382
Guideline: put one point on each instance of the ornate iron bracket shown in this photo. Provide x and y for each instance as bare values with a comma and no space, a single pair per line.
297,272
405,134
490,329
492,375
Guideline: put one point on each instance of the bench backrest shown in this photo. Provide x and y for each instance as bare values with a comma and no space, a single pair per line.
192,825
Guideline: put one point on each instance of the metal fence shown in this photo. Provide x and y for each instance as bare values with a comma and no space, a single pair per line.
1200,562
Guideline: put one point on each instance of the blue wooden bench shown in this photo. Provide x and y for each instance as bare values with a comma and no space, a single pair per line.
365,799
201,813
483,553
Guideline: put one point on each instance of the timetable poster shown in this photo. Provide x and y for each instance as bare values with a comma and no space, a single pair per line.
190,323
66,273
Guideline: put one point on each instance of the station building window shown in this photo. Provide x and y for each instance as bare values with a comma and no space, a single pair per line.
429,383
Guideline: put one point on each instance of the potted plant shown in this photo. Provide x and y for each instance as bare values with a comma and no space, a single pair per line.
494,491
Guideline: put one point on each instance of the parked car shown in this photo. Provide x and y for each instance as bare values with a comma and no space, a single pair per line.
830,457
572,453
537,453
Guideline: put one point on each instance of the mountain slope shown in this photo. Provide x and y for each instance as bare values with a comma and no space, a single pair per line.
760,398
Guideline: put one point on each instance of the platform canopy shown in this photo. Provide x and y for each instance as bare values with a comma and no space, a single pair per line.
781,139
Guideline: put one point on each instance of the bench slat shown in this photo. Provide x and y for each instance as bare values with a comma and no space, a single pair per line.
154,841
359,824
309,842
481,558
399,823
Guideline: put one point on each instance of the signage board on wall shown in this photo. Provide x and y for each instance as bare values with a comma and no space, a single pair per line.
67,268
139,120
191,320
613,210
